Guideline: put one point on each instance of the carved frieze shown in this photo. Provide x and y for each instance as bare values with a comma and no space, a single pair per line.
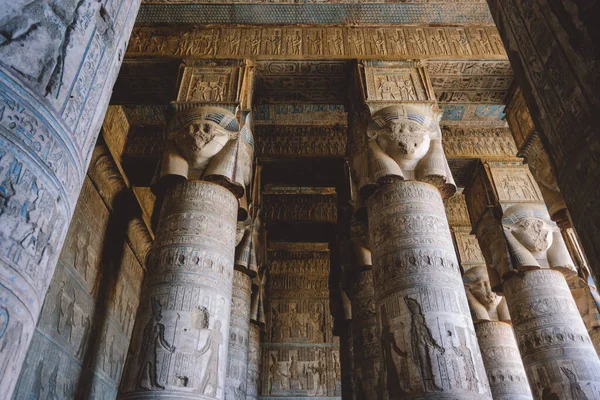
456,209
209,84
300,114
396,81
472,142
316,42
300,355
300,207
300,141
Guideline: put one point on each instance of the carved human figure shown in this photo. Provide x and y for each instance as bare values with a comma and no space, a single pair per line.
423,345
11,335
85,325
210,380
534,241
485,305
388,347
294,374
153,340
69,314
274,374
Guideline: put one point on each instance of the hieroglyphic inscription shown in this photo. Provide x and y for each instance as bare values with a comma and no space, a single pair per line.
318,42
182,329
88,315
456,209
300,207
478,142
300,355
300,140
557,352
414,268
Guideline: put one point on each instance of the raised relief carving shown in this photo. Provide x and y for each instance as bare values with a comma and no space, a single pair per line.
534,240
399,147
485,305
291,41
206,143
515,184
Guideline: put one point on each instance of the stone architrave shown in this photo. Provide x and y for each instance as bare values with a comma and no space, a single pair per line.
59,64
528,259
253,371
429,347
499,350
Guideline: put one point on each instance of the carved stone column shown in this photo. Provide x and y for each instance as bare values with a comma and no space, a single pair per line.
245,268
53,97
425,324
553,48
530,146
501,357
365,332
180,340
499,350
527,260
253,374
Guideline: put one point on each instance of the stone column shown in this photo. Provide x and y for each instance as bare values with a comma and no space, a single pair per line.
180,340
499,350
59,64
528,261
365,332
495,336
531,148
245,269
253,374
553,48
429,347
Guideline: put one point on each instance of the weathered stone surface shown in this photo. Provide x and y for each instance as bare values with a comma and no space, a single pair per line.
59,62
253,370
557,352
300,355
502,361
239,327
553,49
365,332
414,267
179,344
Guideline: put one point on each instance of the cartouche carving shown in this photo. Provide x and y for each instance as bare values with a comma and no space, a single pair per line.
404,143
534,241
485,305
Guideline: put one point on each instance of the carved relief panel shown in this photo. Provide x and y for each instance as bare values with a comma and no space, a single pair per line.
88,315
209,84
300,207
300,355
515,184
396,81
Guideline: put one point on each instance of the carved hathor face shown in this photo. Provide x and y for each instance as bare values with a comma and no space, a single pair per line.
404,140
482,291
533,233
191,142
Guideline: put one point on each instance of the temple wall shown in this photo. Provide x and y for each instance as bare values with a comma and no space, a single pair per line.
82,337
300,355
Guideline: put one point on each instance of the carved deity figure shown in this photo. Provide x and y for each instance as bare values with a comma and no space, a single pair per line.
425,348
404,143
485,305
534,241
388,348
210,380
206,143
588,301
153,339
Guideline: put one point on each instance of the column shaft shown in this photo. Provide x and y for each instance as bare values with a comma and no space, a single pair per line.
502,361
367,348
253,374
557,352
59,64
237,354
179,344
429,347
